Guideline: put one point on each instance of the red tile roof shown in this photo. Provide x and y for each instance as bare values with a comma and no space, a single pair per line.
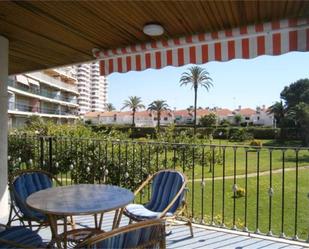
223,112
246,111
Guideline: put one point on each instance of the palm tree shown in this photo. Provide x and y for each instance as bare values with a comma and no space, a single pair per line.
278,110
196,76
158,106
110,107
134,103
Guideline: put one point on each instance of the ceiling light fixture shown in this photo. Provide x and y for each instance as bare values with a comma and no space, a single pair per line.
153,29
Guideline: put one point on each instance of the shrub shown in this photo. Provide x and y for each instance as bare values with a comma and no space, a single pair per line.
240,192
255,142
221,133
264,133
239,135
225,123
208,120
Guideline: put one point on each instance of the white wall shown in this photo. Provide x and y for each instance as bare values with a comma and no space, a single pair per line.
4,52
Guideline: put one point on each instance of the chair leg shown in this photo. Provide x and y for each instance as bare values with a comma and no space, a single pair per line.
130,221
72,222
10,216
191,228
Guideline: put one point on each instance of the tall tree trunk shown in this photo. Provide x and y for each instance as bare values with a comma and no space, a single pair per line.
195,103
158,121
133,118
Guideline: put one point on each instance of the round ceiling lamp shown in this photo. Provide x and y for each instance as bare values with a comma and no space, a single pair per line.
153,29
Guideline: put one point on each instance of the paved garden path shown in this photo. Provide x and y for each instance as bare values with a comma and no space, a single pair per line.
262,173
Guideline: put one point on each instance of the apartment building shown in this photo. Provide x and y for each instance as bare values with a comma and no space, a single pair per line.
51,94
92,88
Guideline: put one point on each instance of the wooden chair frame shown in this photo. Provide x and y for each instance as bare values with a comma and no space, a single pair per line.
139,225
14,208
179,211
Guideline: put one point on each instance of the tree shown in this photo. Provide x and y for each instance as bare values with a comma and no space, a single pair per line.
295,93
278,110
302,117
110,107
134,103
196,76
238,119
158,106
208,120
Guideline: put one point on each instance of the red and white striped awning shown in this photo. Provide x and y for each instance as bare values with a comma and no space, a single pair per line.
248,42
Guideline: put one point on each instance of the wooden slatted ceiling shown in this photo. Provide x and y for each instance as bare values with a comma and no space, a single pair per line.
49,34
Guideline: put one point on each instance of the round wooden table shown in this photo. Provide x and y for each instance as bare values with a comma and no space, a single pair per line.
82,199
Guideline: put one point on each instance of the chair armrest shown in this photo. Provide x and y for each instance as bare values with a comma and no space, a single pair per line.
143,184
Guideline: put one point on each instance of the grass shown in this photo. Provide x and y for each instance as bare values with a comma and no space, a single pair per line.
289,202
263,158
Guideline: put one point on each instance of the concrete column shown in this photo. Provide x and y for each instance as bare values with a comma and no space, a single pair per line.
4,58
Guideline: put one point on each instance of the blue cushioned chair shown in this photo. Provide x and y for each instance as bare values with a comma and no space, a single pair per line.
145,234
22,184
167,198
19,237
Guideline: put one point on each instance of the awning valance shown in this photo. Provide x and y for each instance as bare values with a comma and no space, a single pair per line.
247,42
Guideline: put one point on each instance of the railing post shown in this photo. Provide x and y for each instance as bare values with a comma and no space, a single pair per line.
50,144
41,151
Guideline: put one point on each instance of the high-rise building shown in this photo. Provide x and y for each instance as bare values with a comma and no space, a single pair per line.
92,88
50,94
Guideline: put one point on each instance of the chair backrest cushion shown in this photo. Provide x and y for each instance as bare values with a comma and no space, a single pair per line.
165,186
26,184
147,237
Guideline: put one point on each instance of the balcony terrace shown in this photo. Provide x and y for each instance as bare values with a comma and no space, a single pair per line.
42,93
236,194
15,107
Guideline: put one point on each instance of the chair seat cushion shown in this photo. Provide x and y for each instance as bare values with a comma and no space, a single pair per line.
20,235
139,212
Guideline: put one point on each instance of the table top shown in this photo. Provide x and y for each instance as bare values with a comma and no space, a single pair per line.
80,199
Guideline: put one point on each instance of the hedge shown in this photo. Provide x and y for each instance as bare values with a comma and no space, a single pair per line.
203,132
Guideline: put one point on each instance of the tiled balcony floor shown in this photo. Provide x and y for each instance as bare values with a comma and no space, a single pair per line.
204,237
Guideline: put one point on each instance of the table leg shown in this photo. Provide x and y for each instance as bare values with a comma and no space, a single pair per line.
54,229
117,218
65,233
101,220
96,221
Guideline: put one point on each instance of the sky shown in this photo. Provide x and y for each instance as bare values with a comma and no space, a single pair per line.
248,83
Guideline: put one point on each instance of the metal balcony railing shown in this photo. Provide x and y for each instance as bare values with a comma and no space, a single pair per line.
48,79
42,92
13,106
263,190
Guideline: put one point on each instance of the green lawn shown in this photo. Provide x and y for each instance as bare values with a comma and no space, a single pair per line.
289,202
264,159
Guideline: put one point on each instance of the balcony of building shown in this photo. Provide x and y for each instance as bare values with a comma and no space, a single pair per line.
53,82
236,196
14,107
35,91
64,74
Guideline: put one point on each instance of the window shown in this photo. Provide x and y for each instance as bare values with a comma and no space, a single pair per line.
165,118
